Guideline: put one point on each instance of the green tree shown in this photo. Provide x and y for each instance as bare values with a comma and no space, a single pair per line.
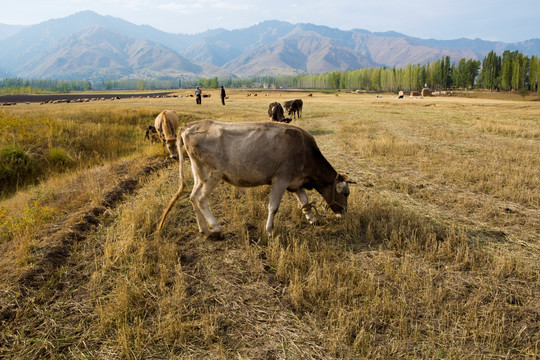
376,79
472,68
507,70
459,74
533,74
491,71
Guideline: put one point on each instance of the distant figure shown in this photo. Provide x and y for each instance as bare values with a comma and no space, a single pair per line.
223,95
198,96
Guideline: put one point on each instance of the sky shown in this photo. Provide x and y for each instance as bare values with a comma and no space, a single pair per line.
495,20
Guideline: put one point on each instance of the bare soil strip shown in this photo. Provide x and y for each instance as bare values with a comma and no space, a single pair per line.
73,230
24,98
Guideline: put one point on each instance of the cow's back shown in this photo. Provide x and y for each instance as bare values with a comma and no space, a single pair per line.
248,154
167,123
288,104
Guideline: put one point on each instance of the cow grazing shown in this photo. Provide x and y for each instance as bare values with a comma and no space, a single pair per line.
166,124
294,107
275,113
253,154
152,134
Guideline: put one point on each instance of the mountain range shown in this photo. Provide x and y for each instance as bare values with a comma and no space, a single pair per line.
90,46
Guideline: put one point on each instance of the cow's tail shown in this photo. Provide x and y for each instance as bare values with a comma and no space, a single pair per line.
179,144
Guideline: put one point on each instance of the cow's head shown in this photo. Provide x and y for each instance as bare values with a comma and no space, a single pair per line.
172,148
340,194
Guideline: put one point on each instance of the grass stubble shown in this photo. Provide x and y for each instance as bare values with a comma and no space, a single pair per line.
437,258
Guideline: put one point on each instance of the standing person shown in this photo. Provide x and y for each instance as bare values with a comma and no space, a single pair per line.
223,95
198,95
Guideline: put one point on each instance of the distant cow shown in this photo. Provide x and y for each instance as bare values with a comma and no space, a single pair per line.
152,134
294,107
275,112
253,154
166,125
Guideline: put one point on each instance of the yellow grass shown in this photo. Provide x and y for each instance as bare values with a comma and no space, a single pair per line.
437,258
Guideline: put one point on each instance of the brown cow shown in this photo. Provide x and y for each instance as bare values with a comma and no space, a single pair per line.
294,106
166,124
252,154
275,112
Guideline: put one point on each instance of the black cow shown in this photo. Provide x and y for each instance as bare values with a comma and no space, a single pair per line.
275,112
294,106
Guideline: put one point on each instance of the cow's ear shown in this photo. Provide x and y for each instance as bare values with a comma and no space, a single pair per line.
344,177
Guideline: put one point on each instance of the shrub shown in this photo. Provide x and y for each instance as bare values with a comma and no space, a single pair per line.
59,159
17,168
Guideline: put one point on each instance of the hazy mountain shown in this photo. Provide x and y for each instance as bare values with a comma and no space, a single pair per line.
98,52
212,52
33,40
220,47
396,49
301,53
88,45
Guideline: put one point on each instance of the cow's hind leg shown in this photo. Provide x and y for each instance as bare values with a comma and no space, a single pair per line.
201,221
278,188
306,206
199,199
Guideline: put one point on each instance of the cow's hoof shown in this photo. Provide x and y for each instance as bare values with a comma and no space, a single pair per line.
214,236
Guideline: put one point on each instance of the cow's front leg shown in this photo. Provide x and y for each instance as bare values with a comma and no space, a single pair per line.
278,188
306,206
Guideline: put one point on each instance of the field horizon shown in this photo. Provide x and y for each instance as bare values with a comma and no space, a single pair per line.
438,257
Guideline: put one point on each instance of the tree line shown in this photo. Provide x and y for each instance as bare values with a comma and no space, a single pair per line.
37,86
510,71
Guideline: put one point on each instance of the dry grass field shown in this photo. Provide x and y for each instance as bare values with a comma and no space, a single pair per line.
438,257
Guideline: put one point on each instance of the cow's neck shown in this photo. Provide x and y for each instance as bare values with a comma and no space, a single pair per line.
324,177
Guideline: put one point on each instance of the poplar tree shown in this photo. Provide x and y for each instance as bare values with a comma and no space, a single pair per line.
507,70
533,74
491,68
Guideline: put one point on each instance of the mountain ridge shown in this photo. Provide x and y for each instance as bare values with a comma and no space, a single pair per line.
271,47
